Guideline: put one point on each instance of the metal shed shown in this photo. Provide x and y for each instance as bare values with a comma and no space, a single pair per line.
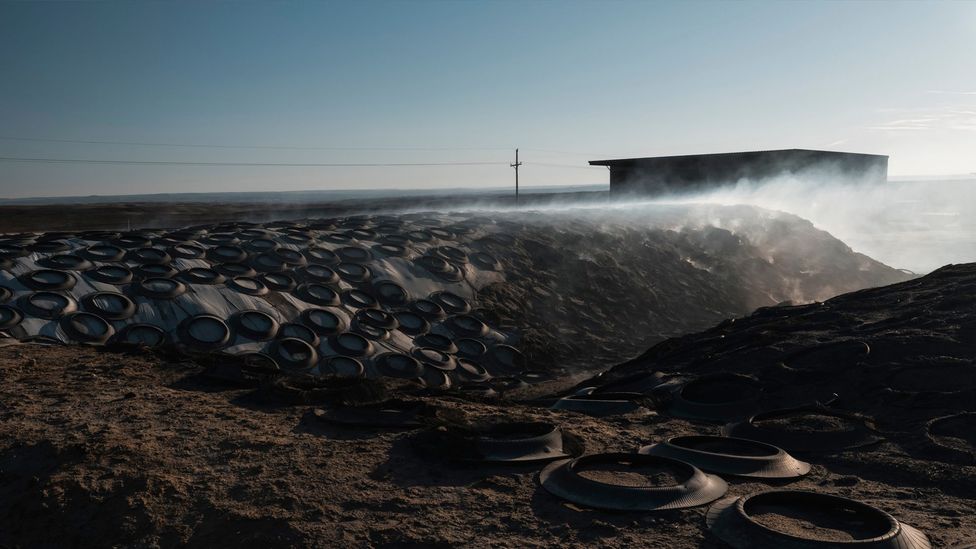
696,172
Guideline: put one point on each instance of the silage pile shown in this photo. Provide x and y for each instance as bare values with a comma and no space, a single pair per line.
587,288
446,299
903,357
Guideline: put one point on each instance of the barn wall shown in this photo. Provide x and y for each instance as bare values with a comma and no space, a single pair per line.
686,174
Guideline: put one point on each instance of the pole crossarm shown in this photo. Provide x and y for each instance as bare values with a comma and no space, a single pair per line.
516,166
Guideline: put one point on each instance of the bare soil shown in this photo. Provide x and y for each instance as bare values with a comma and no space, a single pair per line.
103,449
628,474
820,524
808,423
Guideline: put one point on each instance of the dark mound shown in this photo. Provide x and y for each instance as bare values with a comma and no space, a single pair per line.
898,357
545,293
603,285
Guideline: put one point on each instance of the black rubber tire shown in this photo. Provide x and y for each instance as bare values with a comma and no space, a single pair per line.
411,323
345,367
289,257
226,254
103,253
187,338
321,256
202,275
436,341
358,299
299,331
319,274
66,262
323,322
29,304
48,280
466,326
471,348
399,365
187,251
248,285
160,288
293,354
235,270
148,256
317,294
353,273
279,282
142,335
111,274
260,245
255,325
428,309
350,344
9,317
377,318
452,303
390,293
268,263
78,326
142,272
354,254
109,305
391,250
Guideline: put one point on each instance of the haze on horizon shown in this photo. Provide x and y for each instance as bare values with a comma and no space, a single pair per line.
438,82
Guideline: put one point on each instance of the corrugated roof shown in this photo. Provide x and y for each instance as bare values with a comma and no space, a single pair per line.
729,154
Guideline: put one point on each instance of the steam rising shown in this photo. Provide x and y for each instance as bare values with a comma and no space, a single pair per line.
915,225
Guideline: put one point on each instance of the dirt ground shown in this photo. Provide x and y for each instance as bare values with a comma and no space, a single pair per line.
102,449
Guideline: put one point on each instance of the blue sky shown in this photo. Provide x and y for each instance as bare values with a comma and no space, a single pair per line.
470,81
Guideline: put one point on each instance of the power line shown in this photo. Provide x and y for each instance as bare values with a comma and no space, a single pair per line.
276,147
569,152
253,164
216,146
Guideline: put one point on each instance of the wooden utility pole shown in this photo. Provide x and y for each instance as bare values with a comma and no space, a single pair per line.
516,166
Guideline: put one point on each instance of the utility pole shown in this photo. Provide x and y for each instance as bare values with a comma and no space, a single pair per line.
516,166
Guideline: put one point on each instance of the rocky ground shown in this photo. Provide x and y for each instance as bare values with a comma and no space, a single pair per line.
102,449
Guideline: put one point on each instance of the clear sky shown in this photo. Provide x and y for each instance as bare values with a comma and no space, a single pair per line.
471,81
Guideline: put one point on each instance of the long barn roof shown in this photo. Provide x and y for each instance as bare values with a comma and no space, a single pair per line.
627,161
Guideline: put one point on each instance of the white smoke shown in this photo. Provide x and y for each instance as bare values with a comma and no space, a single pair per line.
915,225
918,225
